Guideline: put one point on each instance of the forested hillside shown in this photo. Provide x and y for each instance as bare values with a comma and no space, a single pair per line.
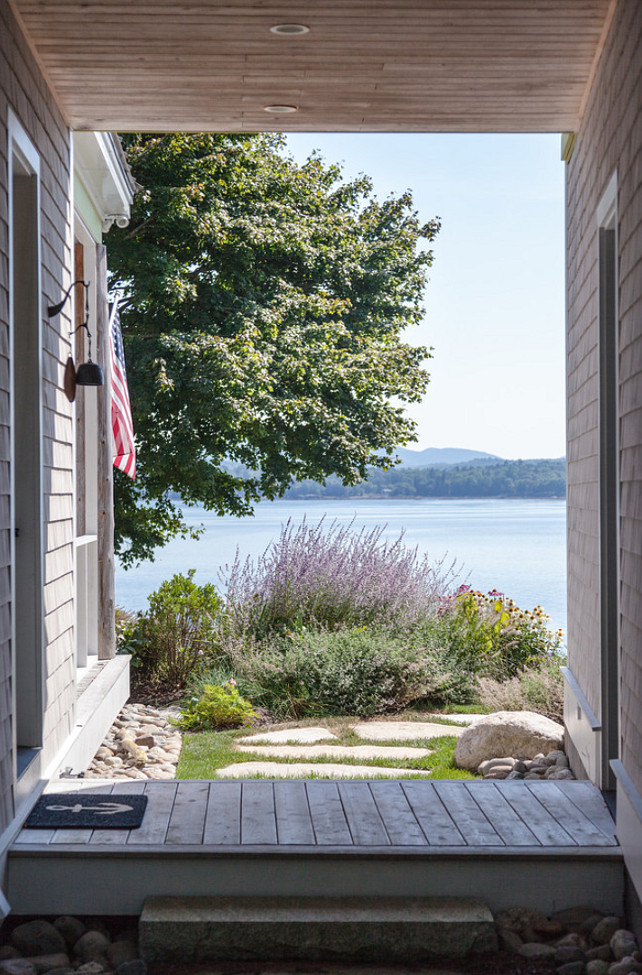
504,479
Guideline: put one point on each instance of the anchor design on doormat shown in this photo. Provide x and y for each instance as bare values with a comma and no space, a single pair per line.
102,809
63,810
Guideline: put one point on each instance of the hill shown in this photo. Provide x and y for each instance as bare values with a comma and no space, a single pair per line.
501,479
441,456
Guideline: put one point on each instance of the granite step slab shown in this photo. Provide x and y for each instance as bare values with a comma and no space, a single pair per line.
198,929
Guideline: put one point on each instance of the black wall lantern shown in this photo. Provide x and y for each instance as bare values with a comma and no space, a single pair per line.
88,373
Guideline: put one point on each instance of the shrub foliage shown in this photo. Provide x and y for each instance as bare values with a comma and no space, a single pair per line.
176,633
218,706
331,620
331,575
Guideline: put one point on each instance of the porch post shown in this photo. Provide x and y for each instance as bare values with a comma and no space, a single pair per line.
106,594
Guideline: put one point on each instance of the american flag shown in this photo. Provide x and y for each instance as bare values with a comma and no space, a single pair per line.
121,412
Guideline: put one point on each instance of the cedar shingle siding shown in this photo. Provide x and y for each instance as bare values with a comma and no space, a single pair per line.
610,138
23,89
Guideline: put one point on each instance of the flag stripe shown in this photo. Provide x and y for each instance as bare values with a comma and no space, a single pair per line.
124,448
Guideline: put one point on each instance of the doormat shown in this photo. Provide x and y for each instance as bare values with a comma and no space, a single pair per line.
83,810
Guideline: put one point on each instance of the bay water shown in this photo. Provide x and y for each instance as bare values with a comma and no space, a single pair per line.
516,546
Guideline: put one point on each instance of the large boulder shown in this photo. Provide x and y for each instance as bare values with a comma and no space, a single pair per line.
522,734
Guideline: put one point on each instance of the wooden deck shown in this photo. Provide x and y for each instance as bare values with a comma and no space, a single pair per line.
274,837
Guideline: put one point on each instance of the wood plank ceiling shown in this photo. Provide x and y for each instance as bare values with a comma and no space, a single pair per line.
364,65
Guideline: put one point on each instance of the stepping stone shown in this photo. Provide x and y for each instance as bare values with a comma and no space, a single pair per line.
405,730
466,719
301,736
305,770
335,751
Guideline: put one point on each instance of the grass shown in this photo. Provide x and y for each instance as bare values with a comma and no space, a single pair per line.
207,751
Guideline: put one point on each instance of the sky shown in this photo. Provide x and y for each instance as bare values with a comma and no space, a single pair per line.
494,303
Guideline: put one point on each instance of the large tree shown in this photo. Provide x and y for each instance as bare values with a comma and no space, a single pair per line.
263,306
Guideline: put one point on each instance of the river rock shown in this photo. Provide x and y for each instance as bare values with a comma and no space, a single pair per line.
623,943
510,940
520,733
625,966
17,966
92,946
605,929
141,744
578,918
601,952
596,966
492,763
567,953
574,938
135,967
571,968
520,919
121,951
71,928
534,949
37,938
49,963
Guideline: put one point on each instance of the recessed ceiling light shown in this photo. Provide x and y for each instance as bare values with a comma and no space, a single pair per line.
290,29
281,109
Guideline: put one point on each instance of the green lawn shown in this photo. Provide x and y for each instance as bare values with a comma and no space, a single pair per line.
206,751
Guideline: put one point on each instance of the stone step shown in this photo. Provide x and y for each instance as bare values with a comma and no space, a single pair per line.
405,730
198,929
364,752
307,770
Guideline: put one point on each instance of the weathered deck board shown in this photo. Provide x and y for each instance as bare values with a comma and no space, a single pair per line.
469,819
258,815
160,802
223,817
328,817
432,815
293,820
583,831
362,814
187,820
590,802
506,822
397,815
545,827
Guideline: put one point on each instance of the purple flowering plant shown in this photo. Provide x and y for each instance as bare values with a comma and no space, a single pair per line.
331,575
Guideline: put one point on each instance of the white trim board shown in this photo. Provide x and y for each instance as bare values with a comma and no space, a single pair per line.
582,726
629,823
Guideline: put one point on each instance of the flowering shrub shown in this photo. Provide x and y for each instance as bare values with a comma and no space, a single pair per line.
219,706
332,576
494,636
175,634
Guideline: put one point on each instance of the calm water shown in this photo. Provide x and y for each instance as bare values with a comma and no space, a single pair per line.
515,546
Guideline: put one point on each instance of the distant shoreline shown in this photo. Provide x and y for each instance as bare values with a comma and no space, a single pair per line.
424,497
